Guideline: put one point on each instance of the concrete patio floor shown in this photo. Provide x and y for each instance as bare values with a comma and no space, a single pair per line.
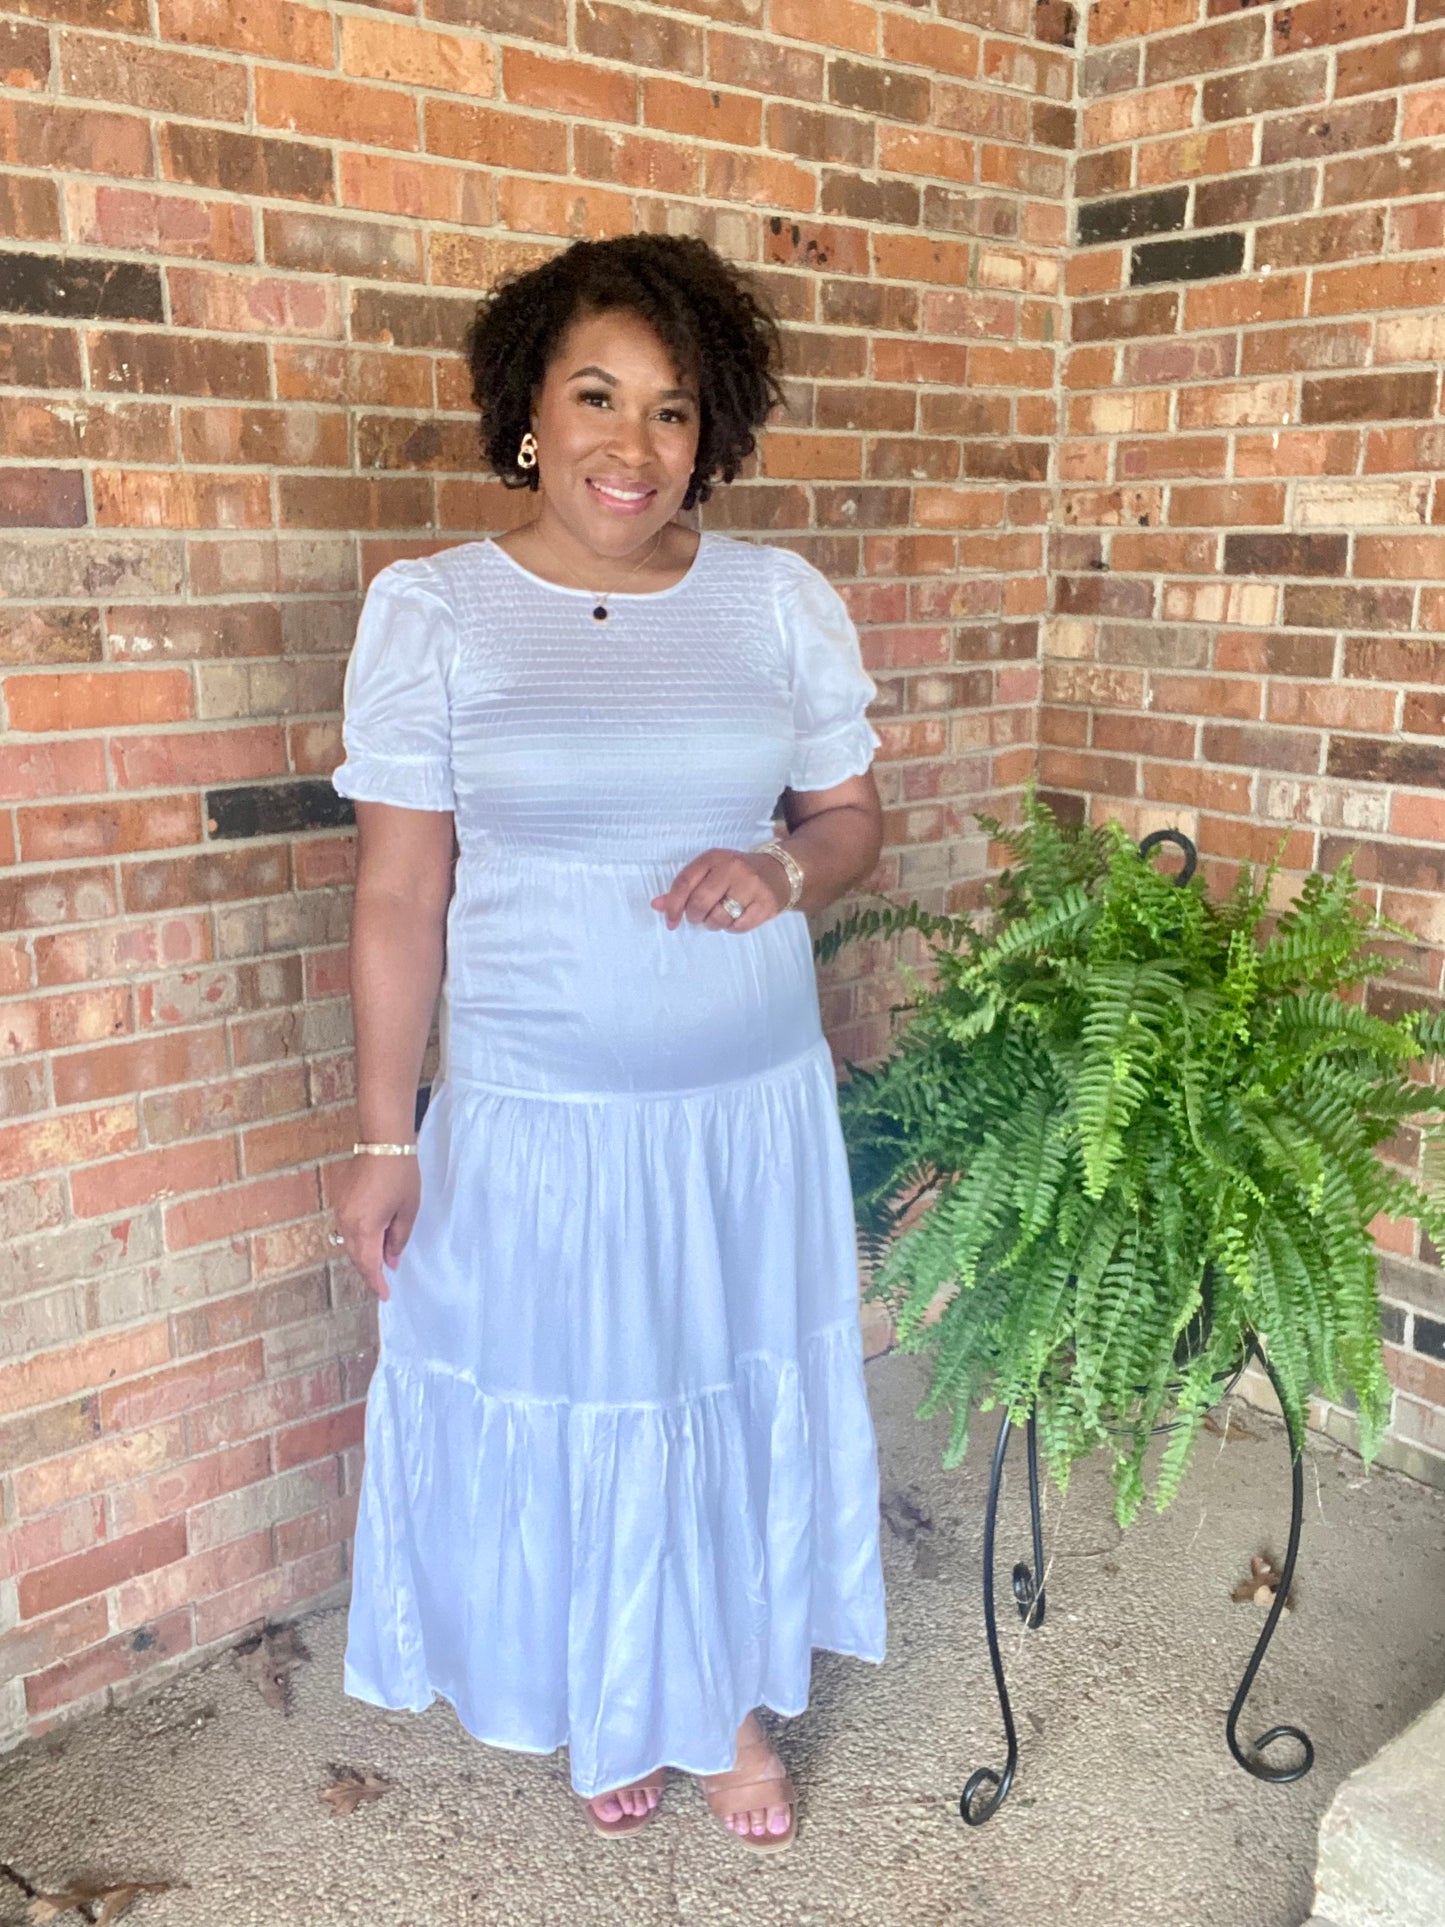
1128,1811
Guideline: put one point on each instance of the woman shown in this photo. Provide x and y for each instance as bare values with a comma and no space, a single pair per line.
620,1473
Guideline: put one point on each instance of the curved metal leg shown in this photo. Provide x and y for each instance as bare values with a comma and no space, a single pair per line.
1253,1762
987,1789
1028,1583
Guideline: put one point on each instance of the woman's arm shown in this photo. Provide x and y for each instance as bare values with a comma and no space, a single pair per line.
834,834
398,942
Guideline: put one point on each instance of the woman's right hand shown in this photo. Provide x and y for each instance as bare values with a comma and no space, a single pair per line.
377,1210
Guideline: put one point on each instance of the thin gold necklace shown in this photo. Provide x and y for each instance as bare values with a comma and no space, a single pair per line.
599,597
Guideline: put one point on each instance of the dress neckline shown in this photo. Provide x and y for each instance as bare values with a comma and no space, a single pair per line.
612,595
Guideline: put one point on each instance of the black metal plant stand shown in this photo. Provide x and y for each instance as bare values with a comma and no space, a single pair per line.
987,1788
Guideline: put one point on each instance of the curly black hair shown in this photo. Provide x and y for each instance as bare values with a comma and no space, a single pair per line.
716,326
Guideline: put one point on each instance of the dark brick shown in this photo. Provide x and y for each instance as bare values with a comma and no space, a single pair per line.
1054,126
333,244
956,412
642,39
1392,1324
410,320
1409,396
1067,805
1122,316
890,203
1265,89
80,289
956,210
1160,645
527,19
1400,866
1104,172
1125,597
1429,1336
1247,554
39,357
1224,43
402,441
851,507
1329,130
1132,215
1254,197
171,364
24,51
1196,258
46,1433
1378,759
246,163
29,208
1320,23
1329,237
1395,658
878,411
997,642
1113,70
1255,746
207,631
276,809
1389,175
865,304
1055,22
1346,605
30,637
42,498
1299,655
1404,61
1012,461
884,91
815,135
908,459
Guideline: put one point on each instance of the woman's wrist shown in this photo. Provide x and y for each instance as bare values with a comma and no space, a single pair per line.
779,855
388,1124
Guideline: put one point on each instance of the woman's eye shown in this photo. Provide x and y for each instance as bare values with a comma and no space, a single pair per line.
594,394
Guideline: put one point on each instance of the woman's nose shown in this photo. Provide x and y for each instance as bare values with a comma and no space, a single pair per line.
631,439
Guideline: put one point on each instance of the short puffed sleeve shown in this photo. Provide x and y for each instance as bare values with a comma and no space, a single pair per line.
832,738
397,722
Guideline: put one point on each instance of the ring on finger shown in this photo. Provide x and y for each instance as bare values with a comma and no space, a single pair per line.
335,1238
733,908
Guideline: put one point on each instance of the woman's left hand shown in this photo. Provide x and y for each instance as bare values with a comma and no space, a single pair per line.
699,891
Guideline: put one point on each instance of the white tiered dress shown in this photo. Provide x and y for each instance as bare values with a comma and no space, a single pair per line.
620,1470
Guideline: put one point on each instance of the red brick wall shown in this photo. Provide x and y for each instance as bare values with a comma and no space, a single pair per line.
240,247
1247,635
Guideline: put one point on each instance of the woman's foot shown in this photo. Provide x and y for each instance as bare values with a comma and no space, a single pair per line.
626,1808
754,1798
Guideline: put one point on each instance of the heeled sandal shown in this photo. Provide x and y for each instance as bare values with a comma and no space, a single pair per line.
756,1769
626,1823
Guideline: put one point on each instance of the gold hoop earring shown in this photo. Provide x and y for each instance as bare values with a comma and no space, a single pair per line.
527,452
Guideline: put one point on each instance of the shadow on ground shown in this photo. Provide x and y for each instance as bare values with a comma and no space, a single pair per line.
1128,1811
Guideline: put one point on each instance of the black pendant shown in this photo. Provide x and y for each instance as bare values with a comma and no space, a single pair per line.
599,614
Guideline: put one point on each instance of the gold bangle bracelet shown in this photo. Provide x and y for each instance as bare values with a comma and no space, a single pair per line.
383,1150
792,869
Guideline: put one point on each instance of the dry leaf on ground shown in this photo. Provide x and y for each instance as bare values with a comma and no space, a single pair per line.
1229,1429
113,1900
1261,1585
269,1658
349,1789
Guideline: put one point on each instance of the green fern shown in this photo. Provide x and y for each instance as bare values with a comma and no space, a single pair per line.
1127,1132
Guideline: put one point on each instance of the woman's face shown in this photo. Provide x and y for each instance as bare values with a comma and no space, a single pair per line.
616,426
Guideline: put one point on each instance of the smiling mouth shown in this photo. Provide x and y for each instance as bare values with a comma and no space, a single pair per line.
626,496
